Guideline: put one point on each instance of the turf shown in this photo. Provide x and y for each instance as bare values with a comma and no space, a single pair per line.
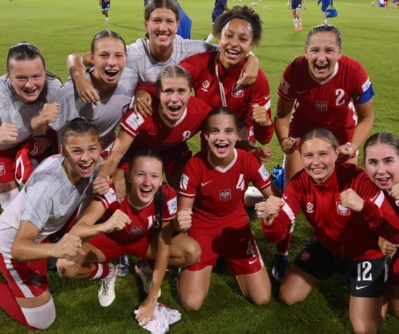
370,35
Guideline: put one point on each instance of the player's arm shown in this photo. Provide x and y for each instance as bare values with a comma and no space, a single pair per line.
147,307
365,115
183,221
24,247
76,64
249,72
282,125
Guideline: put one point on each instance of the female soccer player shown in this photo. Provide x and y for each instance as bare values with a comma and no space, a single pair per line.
46,204
381,160
24,92
177,117
323,89
215,74
138,225
148,56
296,6
348,212
211,204
114,84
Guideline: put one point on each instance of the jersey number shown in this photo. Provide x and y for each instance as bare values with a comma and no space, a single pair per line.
241,182
340,93
363,271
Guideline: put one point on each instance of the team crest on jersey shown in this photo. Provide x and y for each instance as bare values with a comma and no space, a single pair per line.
342,210
237,93
184,181
205,86
136,230
172,205
321,106
36,279
225,195
309,207
135,121
2,168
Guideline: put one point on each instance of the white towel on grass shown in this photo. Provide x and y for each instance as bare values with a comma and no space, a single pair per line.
163,317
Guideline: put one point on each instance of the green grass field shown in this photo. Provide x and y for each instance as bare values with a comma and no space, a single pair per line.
59,28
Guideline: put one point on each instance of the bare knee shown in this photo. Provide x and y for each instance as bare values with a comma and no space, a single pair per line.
288,298
192,303
192,253
261,300
66,269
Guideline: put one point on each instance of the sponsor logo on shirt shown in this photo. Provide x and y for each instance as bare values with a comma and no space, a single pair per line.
205,86
321,106
225,195
342,210
309,207
237,93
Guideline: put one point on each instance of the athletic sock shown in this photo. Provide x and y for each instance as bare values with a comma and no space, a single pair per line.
101,270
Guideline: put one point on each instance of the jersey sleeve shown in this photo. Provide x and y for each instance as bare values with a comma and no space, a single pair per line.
132,123
286,89
191,47
190,178
285,220
362,87
170,207
108,199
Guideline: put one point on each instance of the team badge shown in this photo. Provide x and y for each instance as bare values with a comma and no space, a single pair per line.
2,168
342,210
321,106
237,93
205,86
136,230
309,207
225,195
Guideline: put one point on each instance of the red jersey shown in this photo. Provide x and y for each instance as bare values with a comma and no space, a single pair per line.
327,104
202,68
156,133
144,219
348,235
219,193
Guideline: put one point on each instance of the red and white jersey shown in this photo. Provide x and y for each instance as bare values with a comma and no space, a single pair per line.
143,219
327,104
202,68
157,133
219,192
348,235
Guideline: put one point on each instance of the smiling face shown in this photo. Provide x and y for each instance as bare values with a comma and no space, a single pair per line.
28,78
174,97
382,165
109,60
161,28
318,158
221,134
235,42
81,153
145,178
322,53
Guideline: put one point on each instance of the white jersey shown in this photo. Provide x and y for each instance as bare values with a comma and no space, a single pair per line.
48,199
106,115
12,110
147,68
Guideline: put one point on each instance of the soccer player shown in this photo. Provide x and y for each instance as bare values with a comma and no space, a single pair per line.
138,225
211,209
105,7
324,5
41,210
215,74
24,92
177,117
296,6
327,89
381,160
348,212
114,84
148,56
219,8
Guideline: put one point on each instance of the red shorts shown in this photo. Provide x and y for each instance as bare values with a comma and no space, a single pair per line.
7,165
236,245
113,247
